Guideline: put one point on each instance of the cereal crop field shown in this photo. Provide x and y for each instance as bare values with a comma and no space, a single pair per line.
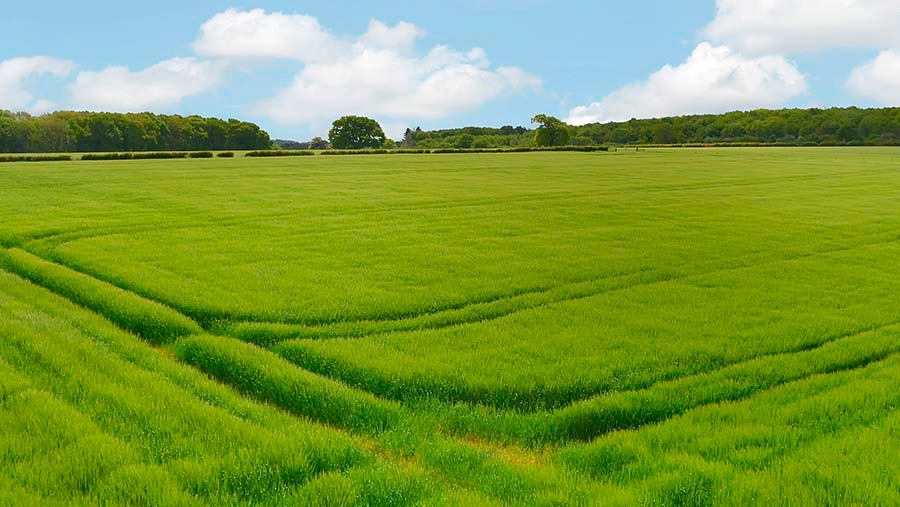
663,327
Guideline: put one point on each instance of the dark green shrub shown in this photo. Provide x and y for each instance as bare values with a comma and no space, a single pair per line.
355,152
226,154
35,158
200,154
137,156
161,154
279,153
107,156
586,149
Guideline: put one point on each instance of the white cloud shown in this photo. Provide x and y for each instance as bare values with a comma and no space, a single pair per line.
793,26
394,130
383,83
378,73
712,80
258,34
879,79
161,86
15,72
42,106
400,38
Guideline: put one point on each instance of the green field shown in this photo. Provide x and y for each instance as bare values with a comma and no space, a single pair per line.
663,327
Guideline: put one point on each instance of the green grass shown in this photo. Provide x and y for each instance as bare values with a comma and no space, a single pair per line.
664,327
91,414
268,377
148,319
669,329
827,440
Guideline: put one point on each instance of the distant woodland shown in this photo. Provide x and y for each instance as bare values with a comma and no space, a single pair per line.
67,131
794,127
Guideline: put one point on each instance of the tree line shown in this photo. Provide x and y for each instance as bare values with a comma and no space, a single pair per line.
70,131
850,126
469,137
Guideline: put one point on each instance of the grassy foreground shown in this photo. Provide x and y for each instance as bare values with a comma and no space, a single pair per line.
665,327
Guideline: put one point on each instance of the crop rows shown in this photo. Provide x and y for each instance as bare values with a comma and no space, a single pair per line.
114,478
660,328
145,318
102,435
830,439
129,426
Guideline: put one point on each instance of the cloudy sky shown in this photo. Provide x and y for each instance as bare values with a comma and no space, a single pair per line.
295,66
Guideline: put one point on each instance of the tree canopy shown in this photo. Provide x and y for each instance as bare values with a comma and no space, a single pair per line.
802,127
356,133
68,131
551,132
835,126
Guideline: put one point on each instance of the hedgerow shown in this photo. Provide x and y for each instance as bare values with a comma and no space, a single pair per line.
200,154
160,155
225,154
107,156
586,149
355,152
280,153
735,145
34,158
134,156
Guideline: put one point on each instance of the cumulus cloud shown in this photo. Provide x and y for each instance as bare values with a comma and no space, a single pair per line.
786,27
258,34
14,74
160,86
382,82
400,37
879,79
712,80
394,130
378,73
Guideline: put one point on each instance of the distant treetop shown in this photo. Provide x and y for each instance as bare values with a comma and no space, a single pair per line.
551,132
355,133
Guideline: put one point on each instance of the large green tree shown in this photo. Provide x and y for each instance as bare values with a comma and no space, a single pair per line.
551,131
355,133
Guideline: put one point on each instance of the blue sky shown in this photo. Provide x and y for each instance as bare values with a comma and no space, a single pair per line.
295,66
